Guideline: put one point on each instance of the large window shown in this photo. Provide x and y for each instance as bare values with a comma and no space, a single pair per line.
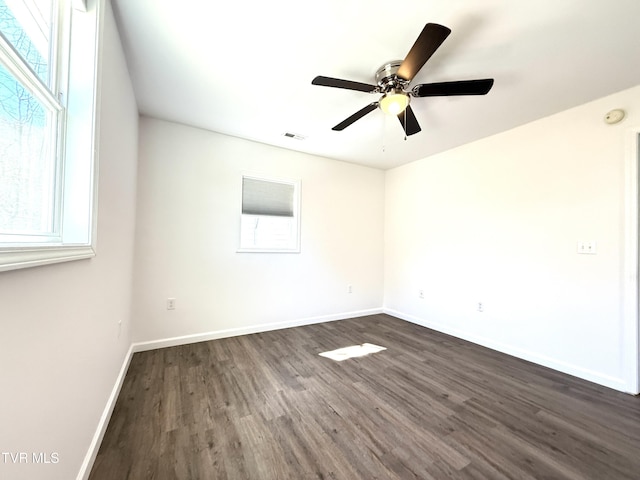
47,110
270,219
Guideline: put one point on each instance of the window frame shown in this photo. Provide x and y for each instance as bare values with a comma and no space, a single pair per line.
75,89
296,220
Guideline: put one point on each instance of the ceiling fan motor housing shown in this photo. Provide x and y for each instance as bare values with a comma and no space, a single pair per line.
387,79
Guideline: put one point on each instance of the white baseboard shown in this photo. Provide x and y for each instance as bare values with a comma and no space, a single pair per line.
234,332
590,375
90,458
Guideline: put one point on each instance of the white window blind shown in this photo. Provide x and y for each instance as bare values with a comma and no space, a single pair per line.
264,197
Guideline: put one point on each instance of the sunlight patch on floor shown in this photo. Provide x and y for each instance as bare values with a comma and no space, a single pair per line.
353,351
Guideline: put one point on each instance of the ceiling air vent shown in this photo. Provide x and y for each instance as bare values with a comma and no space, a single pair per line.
294,136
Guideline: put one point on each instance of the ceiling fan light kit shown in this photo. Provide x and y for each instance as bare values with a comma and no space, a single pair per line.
394,103
394,99
393,79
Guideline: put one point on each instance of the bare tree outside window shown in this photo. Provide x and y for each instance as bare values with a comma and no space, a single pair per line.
27,126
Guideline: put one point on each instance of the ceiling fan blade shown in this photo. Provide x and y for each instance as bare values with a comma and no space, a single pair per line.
428,41
348,84
445,89
409,121
356,116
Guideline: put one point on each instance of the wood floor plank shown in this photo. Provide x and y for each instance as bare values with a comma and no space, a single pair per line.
266,406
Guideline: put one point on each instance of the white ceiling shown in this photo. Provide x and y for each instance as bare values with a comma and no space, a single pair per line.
244,68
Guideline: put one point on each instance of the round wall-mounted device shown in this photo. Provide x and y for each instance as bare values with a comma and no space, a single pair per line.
614,116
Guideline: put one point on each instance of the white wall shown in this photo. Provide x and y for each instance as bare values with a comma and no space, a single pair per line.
187,234
61,348
497,222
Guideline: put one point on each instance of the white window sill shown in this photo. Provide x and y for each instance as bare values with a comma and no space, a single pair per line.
16,258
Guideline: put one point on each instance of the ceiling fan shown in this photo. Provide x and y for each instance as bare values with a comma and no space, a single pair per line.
393,79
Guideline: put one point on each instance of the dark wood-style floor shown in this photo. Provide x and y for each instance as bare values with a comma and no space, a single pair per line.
267,407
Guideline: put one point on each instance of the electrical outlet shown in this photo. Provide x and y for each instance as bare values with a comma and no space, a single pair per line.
587,247
420,293
171,303
349,289
480,307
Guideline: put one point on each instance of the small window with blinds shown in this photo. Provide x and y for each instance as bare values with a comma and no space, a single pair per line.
270,217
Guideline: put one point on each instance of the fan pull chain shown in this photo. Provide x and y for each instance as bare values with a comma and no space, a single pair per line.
405,124
384,133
